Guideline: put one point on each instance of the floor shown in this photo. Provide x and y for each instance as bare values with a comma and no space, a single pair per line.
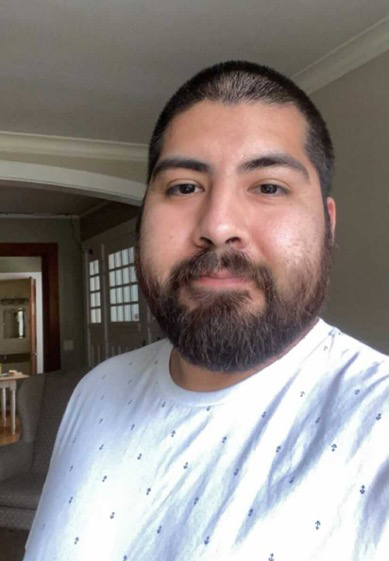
6,437
12,544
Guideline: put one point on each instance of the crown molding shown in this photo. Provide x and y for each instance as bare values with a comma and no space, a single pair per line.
369,44
22,143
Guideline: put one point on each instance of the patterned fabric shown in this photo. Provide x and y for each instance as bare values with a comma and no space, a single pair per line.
16,517
22,490
290,464
23,466
57,391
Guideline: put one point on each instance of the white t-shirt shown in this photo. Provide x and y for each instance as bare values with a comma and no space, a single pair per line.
289,465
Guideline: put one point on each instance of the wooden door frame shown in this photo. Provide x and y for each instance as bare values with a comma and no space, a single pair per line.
48,252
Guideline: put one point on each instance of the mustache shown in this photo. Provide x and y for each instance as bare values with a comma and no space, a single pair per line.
209,261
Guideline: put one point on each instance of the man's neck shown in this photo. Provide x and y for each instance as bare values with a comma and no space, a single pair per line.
196,379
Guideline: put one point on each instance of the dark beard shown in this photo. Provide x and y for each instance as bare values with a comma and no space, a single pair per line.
219,334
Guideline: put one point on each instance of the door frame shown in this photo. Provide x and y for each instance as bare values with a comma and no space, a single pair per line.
48,252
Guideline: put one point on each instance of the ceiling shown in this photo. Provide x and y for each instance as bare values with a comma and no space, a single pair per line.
103,70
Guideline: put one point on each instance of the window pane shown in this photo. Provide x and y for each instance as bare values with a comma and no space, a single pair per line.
118,276
92,284
127,313
91,268
93,299
111,261
113,313
132,274
97,283
126,295
119,295
131,254
118,259
112,278
93,316
135,312
98,315
134,293
97,295
112,296
96,267
120,313
125,257
126,275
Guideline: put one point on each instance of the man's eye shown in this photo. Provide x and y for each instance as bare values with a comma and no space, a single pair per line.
271,189
182,189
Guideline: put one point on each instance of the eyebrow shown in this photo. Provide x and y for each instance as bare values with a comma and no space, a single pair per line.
183,163
273,159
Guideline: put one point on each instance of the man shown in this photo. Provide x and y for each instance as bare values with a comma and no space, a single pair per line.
258,431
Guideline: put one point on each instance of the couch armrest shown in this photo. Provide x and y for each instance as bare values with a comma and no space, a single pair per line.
15,458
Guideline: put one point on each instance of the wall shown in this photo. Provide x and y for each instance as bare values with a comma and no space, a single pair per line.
66,233
356,109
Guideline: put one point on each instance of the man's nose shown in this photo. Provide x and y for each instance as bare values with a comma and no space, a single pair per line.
222,219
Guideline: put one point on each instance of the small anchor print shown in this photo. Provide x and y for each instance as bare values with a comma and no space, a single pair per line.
43,526
362,490
139,457
236,471
100,421
70,500
317,524
159,530
163,404
132,427
71,468
104,478
102,397
112,515
357,392
125,558
263,414
76,541
333,447
129,403
378,416
278,449
271,557
196,501
291,480
251,512
317,420
156,362
129,381
148,491
74,440
186,465
325,348
224,440
101,447
208,408
173,433
129,364
103,377
302,394
206,541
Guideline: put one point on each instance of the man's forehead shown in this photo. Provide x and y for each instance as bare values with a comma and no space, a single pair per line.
217,112
282,126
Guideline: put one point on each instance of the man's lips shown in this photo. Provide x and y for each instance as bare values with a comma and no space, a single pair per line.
221,279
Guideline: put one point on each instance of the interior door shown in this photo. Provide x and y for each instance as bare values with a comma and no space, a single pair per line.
32,326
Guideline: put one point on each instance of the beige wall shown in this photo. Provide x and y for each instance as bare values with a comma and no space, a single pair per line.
356,108
66,233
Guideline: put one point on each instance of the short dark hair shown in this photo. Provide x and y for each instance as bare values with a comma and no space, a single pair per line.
232,82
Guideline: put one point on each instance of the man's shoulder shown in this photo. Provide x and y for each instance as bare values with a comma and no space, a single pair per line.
137,360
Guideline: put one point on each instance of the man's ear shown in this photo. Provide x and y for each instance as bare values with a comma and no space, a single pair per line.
331,209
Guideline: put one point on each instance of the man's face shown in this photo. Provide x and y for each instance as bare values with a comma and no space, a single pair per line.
234,246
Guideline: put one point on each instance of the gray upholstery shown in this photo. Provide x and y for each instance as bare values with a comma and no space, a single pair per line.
42,400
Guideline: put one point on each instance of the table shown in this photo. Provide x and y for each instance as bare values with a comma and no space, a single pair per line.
9,381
